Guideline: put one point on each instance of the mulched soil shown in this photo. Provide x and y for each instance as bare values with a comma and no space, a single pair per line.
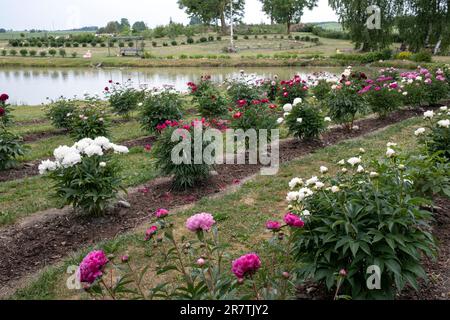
25,248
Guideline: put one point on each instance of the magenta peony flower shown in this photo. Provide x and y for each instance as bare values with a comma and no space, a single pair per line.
2,112
293,220
273,225
246,265
150,232
200,222
161,213
91,268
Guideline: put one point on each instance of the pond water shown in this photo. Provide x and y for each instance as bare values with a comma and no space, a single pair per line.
34,86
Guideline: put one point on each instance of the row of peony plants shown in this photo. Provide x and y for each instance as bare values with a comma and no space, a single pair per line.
368,213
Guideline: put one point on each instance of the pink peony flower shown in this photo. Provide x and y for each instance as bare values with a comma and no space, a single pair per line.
273,225
91,268
150,232
293,220
343,273
161,213
200,222
237,115
246,265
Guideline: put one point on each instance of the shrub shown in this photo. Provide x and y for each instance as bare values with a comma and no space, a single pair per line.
4,52
52,52
61,113
304,120
165,44
357,220
43,53
90,121
186,174
437,135
174,43
85,175
344,102
292,89
121,44
13,52
5,111
235,37
23,52
76,44
239,89
33,53
74,54
210,102
11,147
436,89
159,107
62,53
255,114
210,38
422,56
321,89
123,99
405,55
190,40
203,39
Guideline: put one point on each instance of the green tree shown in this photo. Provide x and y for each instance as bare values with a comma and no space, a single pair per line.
353,16
124,24
209,11
287,11
425,24
139,26
112,27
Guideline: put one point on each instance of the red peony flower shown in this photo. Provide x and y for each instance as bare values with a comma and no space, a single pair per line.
4,97
237,115
106,89
2,112
273,106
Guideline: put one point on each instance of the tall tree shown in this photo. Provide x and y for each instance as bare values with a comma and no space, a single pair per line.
425,24
139,26
112,27
209,11
124,24
287,11
354,16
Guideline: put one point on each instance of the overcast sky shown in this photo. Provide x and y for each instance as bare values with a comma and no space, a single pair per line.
69,14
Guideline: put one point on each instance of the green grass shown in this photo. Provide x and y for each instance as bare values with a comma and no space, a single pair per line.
241,214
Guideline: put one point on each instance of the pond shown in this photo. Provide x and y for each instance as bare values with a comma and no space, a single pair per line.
34,86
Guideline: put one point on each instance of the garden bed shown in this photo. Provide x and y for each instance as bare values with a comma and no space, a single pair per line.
29,246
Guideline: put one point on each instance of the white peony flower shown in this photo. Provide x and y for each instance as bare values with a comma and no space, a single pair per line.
312,181
83,144
103,142
299,120
93,150
280,120
287,107
292,196
428,114
140,104
354,161
102,164
374,174
323,169
344,170
62,151
297,101
360,169
391,144
327,119
362,150
46,166
444,108
342,162
319,185
306,213
295,183
304,193
405,93
71,159
419,132
444,123
390,153
120,149
335,189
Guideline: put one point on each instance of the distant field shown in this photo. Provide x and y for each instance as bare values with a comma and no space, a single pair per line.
335,26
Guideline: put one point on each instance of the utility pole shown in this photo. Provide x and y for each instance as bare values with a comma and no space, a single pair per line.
231,27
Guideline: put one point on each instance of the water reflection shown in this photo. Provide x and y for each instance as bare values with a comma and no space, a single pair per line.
32,86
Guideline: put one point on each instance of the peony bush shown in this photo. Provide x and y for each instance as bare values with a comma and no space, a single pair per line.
123,98
304,119
211,103
86,175
61,113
